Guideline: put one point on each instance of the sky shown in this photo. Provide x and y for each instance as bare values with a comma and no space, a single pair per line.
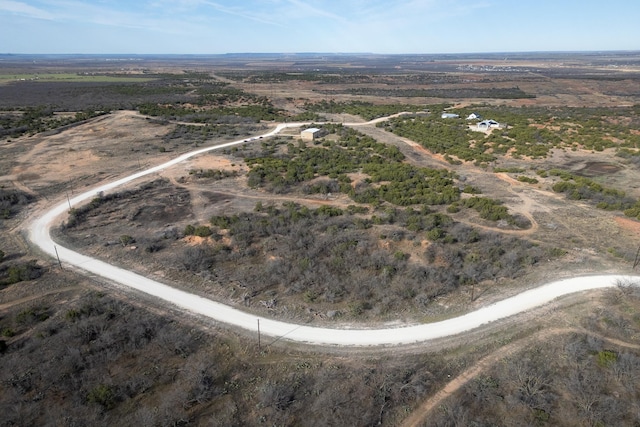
328,26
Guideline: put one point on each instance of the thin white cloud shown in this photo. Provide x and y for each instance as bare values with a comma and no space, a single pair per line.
412,11
189,7
106,14
309,11
24,9
100,14
290,25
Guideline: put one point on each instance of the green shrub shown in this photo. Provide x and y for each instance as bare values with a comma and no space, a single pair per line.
72,315
508,170
557,252
528,180
353,209
102,395
22,272
435,234
202,231
471,190
30,316
356,308
327,210
310,296
606,358
400,256
489,209
125,240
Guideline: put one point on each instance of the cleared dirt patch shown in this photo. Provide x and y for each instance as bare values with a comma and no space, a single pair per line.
629,224
599,169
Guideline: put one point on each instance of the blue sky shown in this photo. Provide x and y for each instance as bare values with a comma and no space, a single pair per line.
376,26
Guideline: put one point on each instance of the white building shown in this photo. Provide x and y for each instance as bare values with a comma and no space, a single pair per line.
450,116
310,134
474,116
488,124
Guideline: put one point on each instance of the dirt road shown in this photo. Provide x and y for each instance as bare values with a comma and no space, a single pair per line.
39,234
419,416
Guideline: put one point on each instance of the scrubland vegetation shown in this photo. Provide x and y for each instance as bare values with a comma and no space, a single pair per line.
101,361
31,120
278,252
529,133
568,378
366,110
343,229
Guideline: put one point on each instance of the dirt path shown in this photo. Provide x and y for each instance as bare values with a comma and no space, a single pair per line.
200,204
439,161
330,200
527,202
20,186
18,301
419,416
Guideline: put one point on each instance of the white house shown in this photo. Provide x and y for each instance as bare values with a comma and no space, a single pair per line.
450,116
488,124
474,116
310,134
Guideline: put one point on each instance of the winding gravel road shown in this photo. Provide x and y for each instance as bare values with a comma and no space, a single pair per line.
39,234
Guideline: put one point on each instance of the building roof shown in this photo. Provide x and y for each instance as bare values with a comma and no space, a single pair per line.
311,130
487,123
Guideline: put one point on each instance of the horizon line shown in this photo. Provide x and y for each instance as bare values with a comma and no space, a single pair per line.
329,53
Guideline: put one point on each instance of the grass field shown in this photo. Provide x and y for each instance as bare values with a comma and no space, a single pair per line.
72,77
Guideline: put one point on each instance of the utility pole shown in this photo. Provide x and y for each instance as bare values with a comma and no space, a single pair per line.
68,201
637,260
258,334
57,256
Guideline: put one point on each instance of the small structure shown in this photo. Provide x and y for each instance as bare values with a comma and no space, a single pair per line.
488,124
450,116
310,134
474,116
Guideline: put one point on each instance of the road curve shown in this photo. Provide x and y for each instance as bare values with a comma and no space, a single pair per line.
39,234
